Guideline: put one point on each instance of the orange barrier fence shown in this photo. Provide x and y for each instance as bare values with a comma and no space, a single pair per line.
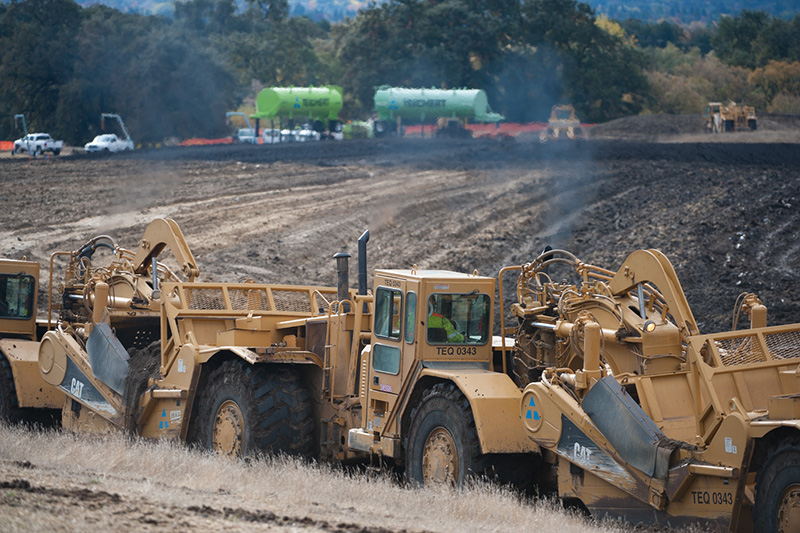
504,129
206,142
6,145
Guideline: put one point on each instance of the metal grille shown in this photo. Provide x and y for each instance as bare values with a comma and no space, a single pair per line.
740,351
249,299
292,301
746,349
362,386
257,299
783,345
205,299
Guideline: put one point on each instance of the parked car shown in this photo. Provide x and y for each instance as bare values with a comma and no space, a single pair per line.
37,143
306,134
270,136
246,136
109,142
287,135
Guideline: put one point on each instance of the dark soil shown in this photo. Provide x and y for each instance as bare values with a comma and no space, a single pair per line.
725,213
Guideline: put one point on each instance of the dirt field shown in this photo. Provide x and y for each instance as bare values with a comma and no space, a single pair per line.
723,208
725,213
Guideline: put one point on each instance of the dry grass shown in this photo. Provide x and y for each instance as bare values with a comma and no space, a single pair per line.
170,476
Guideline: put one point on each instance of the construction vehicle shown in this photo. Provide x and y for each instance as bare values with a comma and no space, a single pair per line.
563,120
604,391
729,117
640,415
24,395
242,368
452,128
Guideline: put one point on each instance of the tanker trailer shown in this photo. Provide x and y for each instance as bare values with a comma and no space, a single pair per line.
451,108
317,104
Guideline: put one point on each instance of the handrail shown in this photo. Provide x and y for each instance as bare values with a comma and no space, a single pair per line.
502,313
50,288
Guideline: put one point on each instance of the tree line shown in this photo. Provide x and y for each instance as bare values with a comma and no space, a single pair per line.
175,77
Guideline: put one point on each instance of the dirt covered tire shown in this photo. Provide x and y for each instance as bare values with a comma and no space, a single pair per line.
247,409
777,505
442,445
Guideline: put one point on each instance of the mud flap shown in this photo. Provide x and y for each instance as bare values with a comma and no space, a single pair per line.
108,358
633,434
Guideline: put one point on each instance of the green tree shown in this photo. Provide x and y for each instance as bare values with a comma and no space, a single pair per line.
207,16
37,54
279,54
600,75
436,43
654,35
162,80
735,36
271,10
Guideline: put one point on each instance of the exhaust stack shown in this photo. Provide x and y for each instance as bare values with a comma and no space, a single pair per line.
362,262
342,276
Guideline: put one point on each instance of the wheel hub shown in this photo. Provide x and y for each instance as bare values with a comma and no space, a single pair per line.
228,429
440,458
789,508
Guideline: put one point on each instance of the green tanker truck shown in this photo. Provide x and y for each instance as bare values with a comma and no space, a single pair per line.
316,104
450,108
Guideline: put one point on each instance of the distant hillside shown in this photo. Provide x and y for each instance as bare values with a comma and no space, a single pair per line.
687,11
332,10
682,11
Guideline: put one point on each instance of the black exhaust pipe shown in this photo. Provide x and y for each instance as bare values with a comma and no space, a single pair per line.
342,276
362,266
362,262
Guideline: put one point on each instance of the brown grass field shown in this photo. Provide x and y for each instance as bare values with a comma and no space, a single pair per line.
54,481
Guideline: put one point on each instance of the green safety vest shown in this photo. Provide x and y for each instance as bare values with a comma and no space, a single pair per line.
438,321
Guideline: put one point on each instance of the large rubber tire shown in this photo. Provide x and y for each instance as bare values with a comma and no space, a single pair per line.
245,410
777,505
442,446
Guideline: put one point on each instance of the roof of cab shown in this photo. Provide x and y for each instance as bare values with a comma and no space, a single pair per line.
421,274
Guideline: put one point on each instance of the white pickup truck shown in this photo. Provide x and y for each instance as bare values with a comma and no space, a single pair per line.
108,142
36,144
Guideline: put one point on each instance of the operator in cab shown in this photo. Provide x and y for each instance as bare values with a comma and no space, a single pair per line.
447,331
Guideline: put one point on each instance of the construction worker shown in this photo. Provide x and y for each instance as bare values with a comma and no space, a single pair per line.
439,321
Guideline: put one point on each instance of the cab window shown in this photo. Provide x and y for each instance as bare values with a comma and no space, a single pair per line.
458,318
388,305
16,296
411,315
386,359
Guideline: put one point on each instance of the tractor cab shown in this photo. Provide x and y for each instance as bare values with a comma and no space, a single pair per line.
18,292
424,320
